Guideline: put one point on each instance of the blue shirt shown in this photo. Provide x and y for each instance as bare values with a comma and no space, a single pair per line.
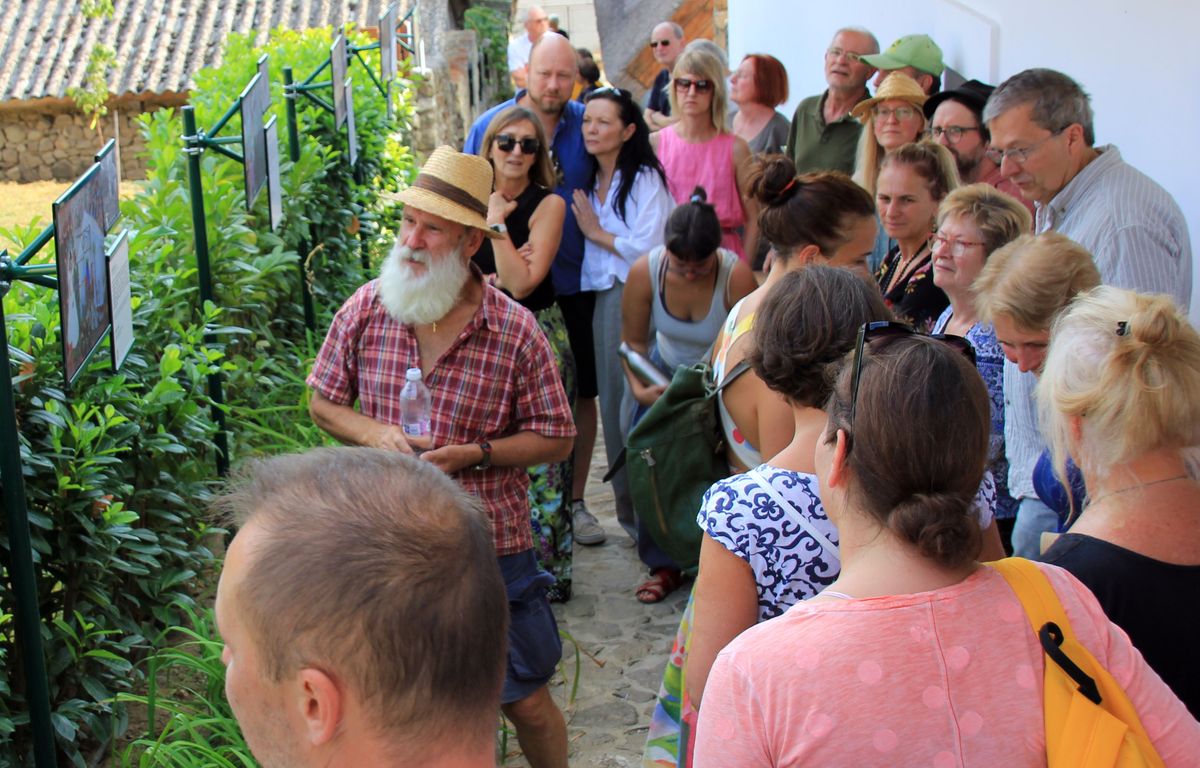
569,156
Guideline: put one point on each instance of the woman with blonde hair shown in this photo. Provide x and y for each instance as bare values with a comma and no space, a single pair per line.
1020,291
529,216
891,118
913,181
698,151
973,221
1120,394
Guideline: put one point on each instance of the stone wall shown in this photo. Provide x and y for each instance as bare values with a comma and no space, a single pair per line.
52,141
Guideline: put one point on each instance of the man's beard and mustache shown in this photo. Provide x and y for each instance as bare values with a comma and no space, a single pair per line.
414,299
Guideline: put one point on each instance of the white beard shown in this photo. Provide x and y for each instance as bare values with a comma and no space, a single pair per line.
421,299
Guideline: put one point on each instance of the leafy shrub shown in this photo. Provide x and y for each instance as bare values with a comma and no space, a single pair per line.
117,474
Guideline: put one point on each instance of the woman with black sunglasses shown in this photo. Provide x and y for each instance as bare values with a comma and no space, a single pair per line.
915,655
698,150
529,216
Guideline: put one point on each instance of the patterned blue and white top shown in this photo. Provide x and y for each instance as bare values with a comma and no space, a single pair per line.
788,563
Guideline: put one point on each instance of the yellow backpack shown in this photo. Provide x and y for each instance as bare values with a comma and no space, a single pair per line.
1089,719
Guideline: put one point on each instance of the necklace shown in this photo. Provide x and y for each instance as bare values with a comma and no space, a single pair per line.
1092,501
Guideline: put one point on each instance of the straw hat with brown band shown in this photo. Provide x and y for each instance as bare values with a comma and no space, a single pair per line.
896,86
454,186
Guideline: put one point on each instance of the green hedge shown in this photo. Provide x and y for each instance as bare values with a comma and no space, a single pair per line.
117,474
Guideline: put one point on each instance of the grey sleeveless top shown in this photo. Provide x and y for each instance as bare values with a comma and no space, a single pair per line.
680,342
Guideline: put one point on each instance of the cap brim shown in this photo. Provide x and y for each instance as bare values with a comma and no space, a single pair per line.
430,202
883,61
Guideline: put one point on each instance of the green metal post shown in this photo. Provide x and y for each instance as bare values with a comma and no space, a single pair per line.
194,148
24,578
293,130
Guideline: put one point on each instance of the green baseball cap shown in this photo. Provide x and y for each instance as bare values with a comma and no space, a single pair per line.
916,51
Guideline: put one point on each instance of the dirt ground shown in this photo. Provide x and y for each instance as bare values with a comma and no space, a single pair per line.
22,203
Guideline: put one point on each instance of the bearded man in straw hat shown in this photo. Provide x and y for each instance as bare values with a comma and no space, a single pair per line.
498,404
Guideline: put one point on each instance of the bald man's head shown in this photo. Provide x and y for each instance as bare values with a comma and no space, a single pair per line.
553,67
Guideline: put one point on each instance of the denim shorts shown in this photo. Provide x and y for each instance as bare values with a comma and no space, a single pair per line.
534,647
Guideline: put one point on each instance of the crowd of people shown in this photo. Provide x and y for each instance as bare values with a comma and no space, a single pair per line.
944,326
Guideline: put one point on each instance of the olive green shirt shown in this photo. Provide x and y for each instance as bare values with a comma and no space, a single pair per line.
815,146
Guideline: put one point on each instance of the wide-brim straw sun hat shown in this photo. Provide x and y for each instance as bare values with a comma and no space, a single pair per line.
896,86
454,186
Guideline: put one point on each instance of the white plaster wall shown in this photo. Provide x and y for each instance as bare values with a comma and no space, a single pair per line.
1134,58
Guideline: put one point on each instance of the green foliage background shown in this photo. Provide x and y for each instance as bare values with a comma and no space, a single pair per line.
117,474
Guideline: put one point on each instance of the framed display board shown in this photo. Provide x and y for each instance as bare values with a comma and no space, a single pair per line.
337,63
120,301
351,131
256,99
387,44
110,182
274,183
82,269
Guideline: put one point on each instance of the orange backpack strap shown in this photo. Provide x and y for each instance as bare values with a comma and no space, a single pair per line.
1089,718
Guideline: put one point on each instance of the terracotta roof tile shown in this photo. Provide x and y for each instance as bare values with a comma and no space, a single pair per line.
44,44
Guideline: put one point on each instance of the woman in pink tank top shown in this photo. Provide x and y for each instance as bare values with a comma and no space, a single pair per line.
697,151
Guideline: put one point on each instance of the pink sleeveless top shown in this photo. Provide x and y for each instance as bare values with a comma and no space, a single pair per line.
708,165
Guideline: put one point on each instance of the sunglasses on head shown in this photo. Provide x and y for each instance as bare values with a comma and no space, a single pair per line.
620,93
884,329
684,84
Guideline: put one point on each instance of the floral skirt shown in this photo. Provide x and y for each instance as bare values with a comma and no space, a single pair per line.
550,484
672,724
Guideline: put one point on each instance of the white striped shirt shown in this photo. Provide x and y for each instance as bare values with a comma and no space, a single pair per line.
1137,236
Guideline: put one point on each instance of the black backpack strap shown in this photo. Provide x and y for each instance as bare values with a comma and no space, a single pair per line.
1052,637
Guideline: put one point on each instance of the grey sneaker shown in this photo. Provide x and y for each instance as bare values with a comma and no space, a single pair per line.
587,528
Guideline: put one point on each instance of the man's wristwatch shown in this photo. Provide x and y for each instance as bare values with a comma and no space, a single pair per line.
486,461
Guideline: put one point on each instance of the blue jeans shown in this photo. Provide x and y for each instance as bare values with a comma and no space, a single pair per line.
1033,518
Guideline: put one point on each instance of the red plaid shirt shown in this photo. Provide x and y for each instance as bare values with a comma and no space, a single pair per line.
496,379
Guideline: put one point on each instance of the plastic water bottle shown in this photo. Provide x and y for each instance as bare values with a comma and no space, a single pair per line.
415,405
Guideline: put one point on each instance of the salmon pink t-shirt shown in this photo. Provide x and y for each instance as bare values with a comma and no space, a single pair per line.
939,679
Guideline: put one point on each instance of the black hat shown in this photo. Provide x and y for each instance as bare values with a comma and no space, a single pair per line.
972,94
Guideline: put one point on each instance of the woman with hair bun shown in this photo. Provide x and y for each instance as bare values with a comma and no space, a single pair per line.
1120,394
682,290
889,665
818,218
767,541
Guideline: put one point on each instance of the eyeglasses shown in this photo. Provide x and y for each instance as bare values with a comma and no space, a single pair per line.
837,53
900,113
663,43
953,133
957,247
1019,156
685,84
506,142
884,329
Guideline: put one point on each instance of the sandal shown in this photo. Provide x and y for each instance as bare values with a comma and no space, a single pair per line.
662,582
